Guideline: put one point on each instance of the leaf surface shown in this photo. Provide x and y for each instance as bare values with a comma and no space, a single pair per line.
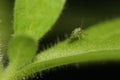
36,17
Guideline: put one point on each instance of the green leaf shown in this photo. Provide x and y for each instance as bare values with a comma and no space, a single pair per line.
36,17
101,43
21,52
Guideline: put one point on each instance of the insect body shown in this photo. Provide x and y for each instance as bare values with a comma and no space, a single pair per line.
76,34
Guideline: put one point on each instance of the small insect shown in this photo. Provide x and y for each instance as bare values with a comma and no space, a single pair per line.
76,34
